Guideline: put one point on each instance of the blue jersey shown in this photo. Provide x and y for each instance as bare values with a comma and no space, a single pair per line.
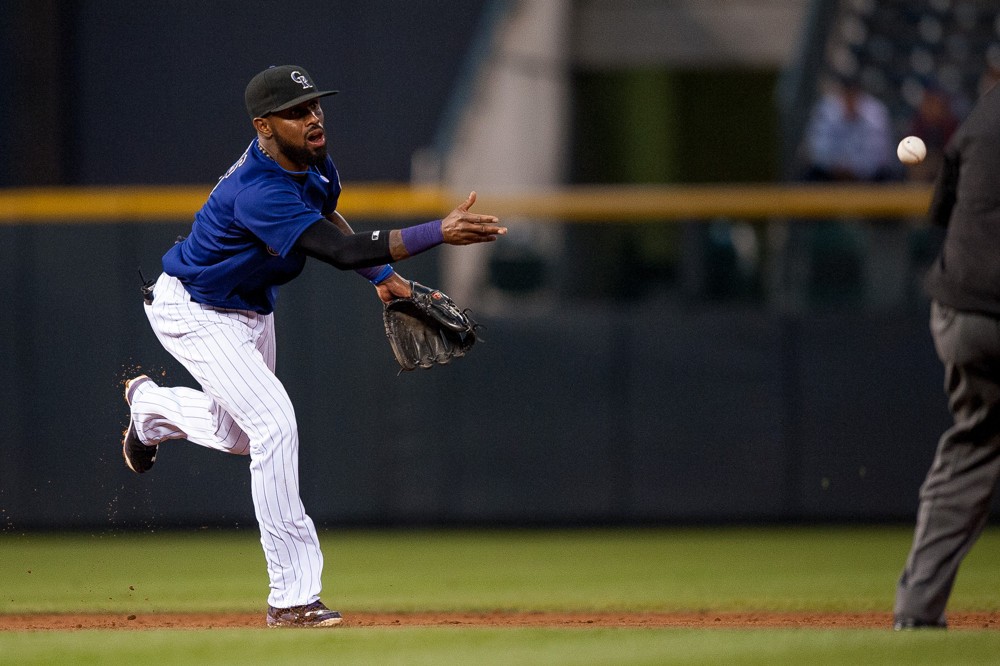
241,244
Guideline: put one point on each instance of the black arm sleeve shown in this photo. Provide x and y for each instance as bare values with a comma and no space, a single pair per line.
324,241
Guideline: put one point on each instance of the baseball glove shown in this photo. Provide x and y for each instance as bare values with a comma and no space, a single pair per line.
427,328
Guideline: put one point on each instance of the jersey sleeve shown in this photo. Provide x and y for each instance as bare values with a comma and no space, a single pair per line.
276,213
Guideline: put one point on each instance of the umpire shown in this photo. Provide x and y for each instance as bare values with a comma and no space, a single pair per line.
964,285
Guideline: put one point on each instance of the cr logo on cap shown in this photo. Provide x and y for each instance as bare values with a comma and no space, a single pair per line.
299,77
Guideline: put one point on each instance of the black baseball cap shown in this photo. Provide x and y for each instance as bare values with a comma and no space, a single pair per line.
279,88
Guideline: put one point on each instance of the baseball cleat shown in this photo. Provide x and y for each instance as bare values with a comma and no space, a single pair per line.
138,457
908,623
308,616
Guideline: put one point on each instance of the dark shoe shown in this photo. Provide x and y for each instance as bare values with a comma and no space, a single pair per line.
310,615
908,623
138,456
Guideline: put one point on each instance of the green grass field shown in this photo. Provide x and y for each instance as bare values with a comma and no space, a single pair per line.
683,569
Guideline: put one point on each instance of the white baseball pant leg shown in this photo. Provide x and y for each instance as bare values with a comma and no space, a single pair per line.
242,408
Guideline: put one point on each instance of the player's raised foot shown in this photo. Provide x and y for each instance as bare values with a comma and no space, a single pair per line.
138,457
309,616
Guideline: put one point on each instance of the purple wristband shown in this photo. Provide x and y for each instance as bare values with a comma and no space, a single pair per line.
422,237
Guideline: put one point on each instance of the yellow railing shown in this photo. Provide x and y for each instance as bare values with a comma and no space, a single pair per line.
605,203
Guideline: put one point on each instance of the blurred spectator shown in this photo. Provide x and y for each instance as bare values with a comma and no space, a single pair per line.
849,137
934,121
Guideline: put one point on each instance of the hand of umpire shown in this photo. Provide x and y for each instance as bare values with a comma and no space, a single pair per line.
461,227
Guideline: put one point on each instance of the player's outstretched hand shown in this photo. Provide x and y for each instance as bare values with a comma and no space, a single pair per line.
464,228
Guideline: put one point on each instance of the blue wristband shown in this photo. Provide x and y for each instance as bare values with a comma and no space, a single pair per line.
375,274
383,274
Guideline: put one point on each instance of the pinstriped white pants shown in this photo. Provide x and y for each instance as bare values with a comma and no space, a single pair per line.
242,408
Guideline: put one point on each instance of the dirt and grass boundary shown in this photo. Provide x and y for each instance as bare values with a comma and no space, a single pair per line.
499,619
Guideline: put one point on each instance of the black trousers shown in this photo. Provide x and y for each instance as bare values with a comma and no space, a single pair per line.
956,495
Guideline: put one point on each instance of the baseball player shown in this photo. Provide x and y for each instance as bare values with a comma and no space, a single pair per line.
964,284
212,309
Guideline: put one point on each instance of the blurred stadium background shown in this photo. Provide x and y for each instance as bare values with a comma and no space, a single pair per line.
677,330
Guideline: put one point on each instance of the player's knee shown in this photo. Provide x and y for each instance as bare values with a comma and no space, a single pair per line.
281,435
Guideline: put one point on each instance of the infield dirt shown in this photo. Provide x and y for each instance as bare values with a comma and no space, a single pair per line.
693,620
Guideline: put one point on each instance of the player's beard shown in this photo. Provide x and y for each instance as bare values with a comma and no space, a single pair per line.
301,154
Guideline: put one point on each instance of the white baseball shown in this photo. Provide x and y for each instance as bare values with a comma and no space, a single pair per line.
911,150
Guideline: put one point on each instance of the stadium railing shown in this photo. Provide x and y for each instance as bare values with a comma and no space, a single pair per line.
576,204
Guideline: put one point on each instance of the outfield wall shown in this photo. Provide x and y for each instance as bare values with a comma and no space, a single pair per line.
657,409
